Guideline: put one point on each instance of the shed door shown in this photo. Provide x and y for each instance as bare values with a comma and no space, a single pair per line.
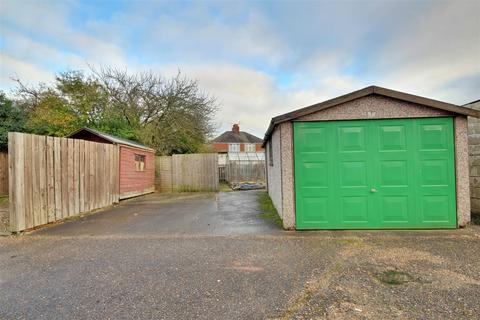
374,174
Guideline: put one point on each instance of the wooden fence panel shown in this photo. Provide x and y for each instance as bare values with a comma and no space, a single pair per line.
37,205
3,173
50,180
70,171
29,177
55,178
86,203
76,170
241,171
81,175
16,164
163,174
187,172
64,174
57,168
42,180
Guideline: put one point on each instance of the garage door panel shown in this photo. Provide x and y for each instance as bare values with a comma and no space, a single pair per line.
353,174
315,174
393,173
314,139
394,209
351,138
315,211
433,136
354,210
434,172
392,138
435,209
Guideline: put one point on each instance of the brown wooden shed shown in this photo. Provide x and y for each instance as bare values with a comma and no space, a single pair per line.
137,162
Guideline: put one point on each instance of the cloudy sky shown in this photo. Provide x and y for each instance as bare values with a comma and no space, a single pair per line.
259,58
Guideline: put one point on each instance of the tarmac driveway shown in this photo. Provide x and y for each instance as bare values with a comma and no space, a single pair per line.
210,256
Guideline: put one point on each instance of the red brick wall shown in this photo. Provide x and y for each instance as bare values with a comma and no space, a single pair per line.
223,147
220,147
132,181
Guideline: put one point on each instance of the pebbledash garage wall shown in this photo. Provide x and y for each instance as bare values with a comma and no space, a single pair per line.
369,103
133,182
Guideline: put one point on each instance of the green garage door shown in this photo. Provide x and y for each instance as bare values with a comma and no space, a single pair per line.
374,174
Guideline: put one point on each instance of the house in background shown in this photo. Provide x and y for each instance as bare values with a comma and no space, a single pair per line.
237,141
137,162
238,145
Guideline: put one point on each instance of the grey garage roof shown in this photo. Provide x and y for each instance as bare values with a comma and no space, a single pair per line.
363,93
110,138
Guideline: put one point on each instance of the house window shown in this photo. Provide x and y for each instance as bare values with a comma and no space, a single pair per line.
139,162
234,147
270,153
250,147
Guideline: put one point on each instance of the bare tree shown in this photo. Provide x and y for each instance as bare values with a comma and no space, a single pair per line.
172,115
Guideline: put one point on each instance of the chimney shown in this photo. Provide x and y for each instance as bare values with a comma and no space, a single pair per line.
236,128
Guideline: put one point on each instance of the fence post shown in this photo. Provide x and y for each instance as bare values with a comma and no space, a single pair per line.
16,165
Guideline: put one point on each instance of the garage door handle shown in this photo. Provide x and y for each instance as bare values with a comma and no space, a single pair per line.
373,190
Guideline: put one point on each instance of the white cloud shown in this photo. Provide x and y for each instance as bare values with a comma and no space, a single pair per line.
12,68
41,31
440,47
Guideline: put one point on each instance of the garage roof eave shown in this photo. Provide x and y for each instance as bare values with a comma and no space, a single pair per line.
289,116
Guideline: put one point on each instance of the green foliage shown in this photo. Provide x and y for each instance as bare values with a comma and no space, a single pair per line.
51,116
268,209
3,200
11,119
171,116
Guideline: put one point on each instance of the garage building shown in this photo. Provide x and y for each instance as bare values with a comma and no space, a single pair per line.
137,162
371,159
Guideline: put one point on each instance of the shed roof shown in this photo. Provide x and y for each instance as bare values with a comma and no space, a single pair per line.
233,137
110,138
371,90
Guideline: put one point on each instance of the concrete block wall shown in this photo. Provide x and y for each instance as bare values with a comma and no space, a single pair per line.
474,158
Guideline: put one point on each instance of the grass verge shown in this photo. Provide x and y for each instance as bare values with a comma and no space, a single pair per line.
268,210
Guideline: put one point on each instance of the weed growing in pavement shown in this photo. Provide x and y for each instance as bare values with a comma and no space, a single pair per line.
394,277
